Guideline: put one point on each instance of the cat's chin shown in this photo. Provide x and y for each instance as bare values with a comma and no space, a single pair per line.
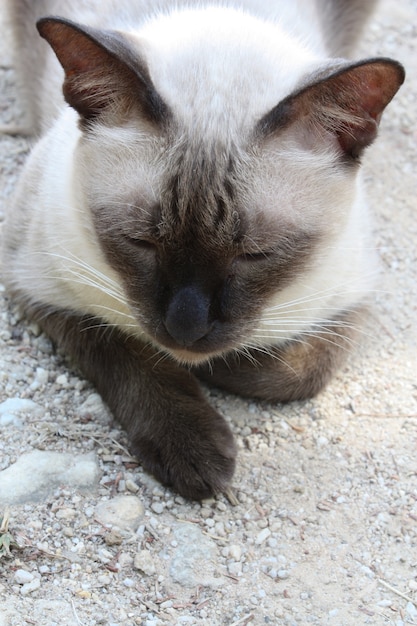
186,357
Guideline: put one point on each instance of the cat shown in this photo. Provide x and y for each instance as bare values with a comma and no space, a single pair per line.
193,208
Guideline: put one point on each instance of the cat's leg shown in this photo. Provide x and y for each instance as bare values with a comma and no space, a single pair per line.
296,370
176,434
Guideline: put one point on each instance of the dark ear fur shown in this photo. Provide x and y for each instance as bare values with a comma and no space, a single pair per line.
101,70
347,103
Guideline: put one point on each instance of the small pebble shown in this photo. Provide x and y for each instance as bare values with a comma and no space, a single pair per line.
411,610
166,605
104,579
157,507
27,588
123,511
132,486
66,513
234,569
113,538
144,562
104,555
235,552
22,577
262,536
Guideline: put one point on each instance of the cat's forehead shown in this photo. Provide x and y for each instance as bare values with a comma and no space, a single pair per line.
220,67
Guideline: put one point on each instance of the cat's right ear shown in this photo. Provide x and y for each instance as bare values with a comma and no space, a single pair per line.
345,103
103,72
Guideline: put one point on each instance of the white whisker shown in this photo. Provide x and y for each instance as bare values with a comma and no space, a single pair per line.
320,295
162,354
244,351
268,351
322,336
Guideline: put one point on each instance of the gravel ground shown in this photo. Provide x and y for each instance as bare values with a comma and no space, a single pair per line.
325,529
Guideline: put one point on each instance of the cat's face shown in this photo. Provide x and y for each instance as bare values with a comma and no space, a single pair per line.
212,171
202,240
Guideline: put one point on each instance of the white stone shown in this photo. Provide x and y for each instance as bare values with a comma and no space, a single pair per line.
13,410
94,407
41,378
262,536
234,569
194,560
132,486
39,472
34,585
122,511
144,562
235,552
41,375
157,507
65,513
22,577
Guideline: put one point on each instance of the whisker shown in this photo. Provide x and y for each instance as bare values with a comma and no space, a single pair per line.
299,320
107,325
276,309
92,271
271,353
163,356
281,327
321,294
244,351
322,337
209,364
83,280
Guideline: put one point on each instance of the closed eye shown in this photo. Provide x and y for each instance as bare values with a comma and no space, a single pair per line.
143,244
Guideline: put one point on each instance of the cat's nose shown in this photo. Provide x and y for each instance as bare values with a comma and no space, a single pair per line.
187,317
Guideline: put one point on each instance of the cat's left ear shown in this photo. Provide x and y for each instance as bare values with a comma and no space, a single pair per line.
348,103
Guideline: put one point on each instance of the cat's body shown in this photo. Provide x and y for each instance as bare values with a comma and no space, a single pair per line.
207,207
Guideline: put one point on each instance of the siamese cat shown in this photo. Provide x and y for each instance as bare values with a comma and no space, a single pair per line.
193,208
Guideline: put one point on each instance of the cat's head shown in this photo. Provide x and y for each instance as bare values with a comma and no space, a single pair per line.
213,172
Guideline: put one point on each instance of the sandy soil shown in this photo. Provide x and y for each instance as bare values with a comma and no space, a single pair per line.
325,531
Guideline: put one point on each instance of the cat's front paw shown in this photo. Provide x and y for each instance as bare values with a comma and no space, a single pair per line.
194,455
